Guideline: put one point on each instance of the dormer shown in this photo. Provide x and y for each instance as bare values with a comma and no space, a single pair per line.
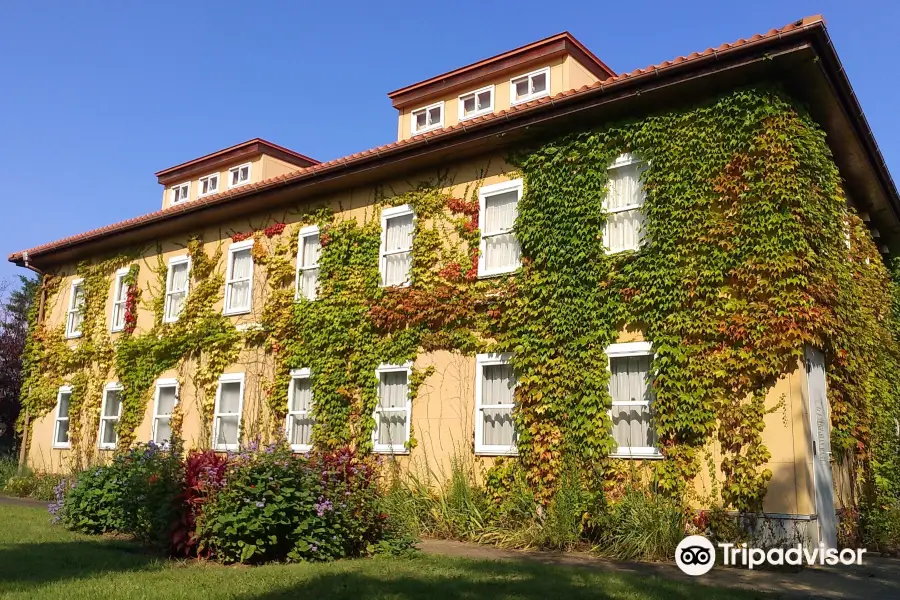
544,68
250,162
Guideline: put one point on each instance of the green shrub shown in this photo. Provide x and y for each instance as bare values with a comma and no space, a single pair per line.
135,494
8,468
880,528
33,485
274,505
643,525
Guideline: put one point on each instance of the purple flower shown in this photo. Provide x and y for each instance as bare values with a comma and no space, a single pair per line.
314,548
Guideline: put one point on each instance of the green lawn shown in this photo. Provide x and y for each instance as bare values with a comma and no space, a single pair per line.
40,560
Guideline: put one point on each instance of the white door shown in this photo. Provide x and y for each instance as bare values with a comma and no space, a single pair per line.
820,426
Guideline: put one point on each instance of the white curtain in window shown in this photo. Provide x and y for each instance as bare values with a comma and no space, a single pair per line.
76,314
624,230
308,267
62,419
497,387
110,418
624,226
501,247
397,247
178,284
392,394
119,303
166,404
242,267
629,383
229,413
301,422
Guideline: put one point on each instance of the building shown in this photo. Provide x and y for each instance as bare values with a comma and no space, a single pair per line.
347,302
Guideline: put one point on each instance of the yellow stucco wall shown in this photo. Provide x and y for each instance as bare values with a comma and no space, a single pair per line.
443,414
566,73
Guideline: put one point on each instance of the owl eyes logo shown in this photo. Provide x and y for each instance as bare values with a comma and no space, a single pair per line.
695,555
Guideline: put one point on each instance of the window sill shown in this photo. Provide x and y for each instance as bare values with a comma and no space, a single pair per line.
228,448
106,447
390,451
237,185
300,449
237,312
73,336
637,455
426,130
117,330
489,452
478,114
528,99
61,447
490,274
206,194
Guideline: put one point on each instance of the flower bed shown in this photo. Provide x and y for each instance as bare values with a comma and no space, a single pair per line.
251,507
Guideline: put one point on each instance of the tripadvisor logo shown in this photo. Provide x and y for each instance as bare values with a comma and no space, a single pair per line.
696,555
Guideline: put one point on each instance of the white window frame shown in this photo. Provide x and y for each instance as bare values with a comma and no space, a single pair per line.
433,126
63,389
482,361
70,334
187,192
531,95
228,378
483,193
200,192
386,215
622,350
623,160
118,304
475,93
305,232
302,414
235,248
104,420
232,170
162,383
401,447
175,260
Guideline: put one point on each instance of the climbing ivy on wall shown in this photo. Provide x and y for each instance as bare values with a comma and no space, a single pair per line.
745,262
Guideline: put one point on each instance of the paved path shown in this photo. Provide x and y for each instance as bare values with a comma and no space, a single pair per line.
22,501
878,578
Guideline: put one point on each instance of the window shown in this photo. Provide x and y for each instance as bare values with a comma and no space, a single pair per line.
530,86
239,279
209,184
496,218
229,402
120,299
624,200
300,420
61,426
631,389
495,385
178,280
238,175
392,410
75,314
396,245
308,249
109,416
428,118
476,103
164,405
181,192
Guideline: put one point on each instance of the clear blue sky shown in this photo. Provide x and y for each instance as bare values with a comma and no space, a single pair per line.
97,96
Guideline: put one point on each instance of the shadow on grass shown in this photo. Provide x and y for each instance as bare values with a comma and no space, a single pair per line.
27,565
468,579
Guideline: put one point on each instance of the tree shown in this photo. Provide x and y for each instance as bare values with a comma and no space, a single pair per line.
13,331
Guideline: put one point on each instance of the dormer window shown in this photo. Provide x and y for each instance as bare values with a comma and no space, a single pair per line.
209,184
428,118
238,175
476,103
528,87
181,192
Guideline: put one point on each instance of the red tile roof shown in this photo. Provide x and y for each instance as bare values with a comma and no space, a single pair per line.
419,140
